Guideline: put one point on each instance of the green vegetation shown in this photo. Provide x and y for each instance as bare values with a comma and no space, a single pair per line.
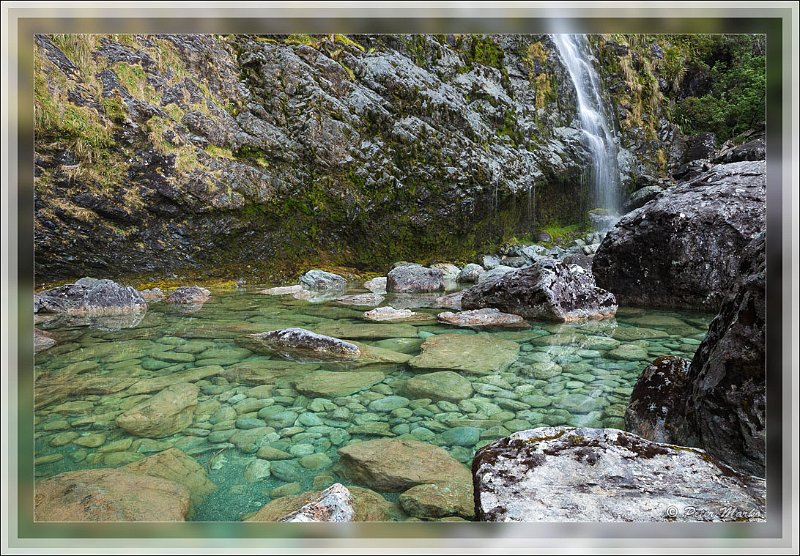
485,51
735,101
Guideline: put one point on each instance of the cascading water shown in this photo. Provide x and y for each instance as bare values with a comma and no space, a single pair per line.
597,131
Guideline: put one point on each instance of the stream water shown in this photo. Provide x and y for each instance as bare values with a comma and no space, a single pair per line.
574,374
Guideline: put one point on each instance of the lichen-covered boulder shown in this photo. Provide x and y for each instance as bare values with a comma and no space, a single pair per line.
334,504
89,296
547,290
582,474
683,248
301,342
322,280
414,278
658,394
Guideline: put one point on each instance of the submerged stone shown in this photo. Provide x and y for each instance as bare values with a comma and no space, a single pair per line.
474,354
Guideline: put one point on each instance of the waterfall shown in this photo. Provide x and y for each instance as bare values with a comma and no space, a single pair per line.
598,136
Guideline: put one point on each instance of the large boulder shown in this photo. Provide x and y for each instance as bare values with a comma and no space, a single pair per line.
110,495
439,500
683,248
656,397
164,414
414,278
321,280
547,290
722,405
582,474
397,465
89,296
292,342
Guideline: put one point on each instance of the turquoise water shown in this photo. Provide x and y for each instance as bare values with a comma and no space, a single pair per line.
564,374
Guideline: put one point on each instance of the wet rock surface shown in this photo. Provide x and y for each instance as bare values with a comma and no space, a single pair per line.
581,474
89,296
414,278
298,341
548,290
683,249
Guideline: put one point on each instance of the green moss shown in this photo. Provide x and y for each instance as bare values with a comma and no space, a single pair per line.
115,108
485,51
253,155
219,152
344,39
302,39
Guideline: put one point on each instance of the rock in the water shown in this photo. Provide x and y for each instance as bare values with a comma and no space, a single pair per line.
283,290
89,296
450,271
414,278
328,384
299,341
450,301
176,466
478,318
166,413
321,280
361,299
442,385
383,314
367,506
42,340
397,465
566,474
334,504
439,500
470,273
724,409
548,290
152,294
110,495
366,331
188,295
473,353
657,395
641,197
683,248
376,285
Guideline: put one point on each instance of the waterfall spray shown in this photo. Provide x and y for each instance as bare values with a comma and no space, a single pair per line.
598,136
